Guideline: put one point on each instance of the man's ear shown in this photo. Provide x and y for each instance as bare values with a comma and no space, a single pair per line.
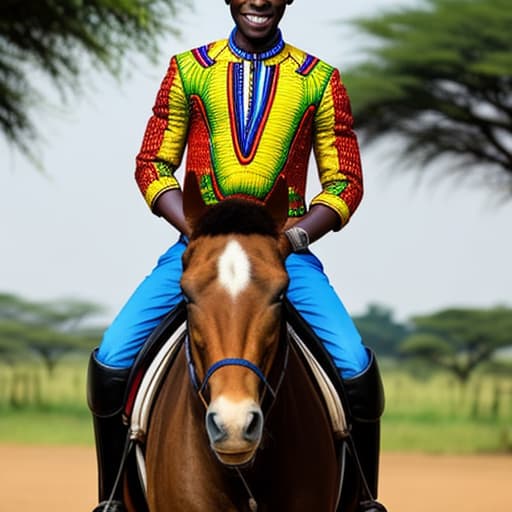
193,204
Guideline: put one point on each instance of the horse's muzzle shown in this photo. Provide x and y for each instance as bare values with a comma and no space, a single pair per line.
234,429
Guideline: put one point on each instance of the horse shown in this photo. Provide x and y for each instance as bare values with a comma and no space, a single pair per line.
239,424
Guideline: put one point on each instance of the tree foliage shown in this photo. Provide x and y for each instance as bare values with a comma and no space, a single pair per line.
380,331
440,78
459,340
46,330
51,38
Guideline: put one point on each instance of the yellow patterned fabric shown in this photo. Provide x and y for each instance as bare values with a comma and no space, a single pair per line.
244,122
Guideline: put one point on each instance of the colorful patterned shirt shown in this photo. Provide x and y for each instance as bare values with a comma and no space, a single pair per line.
245,119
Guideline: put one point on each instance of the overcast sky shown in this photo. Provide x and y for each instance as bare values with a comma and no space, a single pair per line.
84,231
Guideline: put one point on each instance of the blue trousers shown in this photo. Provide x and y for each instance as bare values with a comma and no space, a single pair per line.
309,291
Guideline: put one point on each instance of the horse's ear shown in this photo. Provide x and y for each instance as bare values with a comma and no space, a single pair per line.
277,202
193,203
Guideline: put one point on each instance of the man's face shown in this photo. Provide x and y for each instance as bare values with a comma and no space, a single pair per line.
257,22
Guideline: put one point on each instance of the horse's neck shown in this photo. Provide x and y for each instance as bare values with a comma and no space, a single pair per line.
177,445
178,403
297,453
299,400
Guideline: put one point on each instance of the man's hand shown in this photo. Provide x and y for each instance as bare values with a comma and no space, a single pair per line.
316,223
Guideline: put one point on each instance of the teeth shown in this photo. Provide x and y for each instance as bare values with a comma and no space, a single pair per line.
256,19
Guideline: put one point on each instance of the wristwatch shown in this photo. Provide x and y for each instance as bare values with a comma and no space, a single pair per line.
298,237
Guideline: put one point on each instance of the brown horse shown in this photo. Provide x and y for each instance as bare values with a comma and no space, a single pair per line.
238,424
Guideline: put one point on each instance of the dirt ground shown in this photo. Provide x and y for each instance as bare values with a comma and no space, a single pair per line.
63,479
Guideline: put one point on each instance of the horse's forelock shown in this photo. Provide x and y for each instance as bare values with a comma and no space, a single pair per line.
237,216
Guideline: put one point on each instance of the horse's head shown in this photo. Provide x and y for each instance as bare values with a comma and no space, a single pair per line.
234,279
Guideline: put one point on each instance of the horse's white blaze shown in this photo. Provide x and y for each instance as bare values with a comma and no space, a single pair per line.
234,268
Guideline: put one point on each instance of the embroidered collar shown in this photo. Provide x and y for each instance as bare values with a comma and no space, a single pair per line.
259,55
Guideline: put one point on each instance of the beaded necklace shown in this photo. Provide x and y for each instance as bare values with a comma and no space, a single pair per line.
255,56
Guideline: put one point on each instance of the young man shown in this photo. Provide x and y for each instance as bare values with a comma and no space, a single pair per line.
248,109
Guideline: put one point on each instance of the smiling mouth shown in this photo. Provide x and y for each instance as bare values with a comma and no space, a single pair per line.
256,20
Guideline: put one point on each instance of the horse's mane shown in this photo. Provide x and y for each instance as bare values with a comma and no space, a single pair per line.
237,216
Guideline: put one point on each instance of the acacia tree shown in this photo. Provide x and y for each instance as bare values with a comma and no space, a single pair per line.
380,330
440,78
47,330
43,332
459,340
52,38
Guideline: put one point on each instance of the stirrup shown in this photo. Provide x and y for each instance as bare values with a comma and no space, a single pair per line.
371,506
113,506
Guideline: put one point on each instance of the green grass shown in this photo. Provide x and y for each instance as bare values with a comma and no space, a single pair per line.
431,414
445,436
45,426
436,414
48,409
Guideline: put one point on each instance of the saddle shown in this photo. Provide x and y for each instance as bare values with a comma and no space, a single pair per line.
162,347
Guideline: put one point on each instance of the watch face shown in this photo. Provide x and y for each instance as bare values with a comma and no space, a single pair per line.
303,239
299,238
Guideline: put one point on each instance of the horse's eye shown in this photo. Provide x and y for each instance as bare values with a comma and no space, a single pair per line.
186,298
280,296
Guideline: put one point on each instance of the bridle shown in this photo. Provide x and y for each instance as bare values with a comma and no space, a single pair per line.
202,386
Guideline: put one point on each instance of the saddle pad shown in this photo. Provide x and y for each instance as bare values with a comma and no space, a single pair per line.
331,397
150,382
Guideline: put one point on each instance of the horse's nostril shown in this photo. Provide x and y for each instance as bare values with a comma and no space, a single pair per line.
215,430
254,426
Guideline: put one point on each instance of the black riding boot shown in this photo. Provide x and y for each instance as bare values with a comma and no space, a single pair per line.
105,395
365,395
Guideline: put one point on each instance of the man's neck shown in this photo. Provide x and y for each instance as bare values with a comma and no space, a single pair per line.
256,52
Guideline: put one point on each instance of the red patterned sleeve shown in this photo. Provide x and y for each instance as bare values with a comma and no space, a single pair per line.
164,139
337,152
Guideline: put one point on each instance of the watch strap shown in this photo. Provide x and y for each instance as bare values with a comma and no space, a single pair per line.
298,238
